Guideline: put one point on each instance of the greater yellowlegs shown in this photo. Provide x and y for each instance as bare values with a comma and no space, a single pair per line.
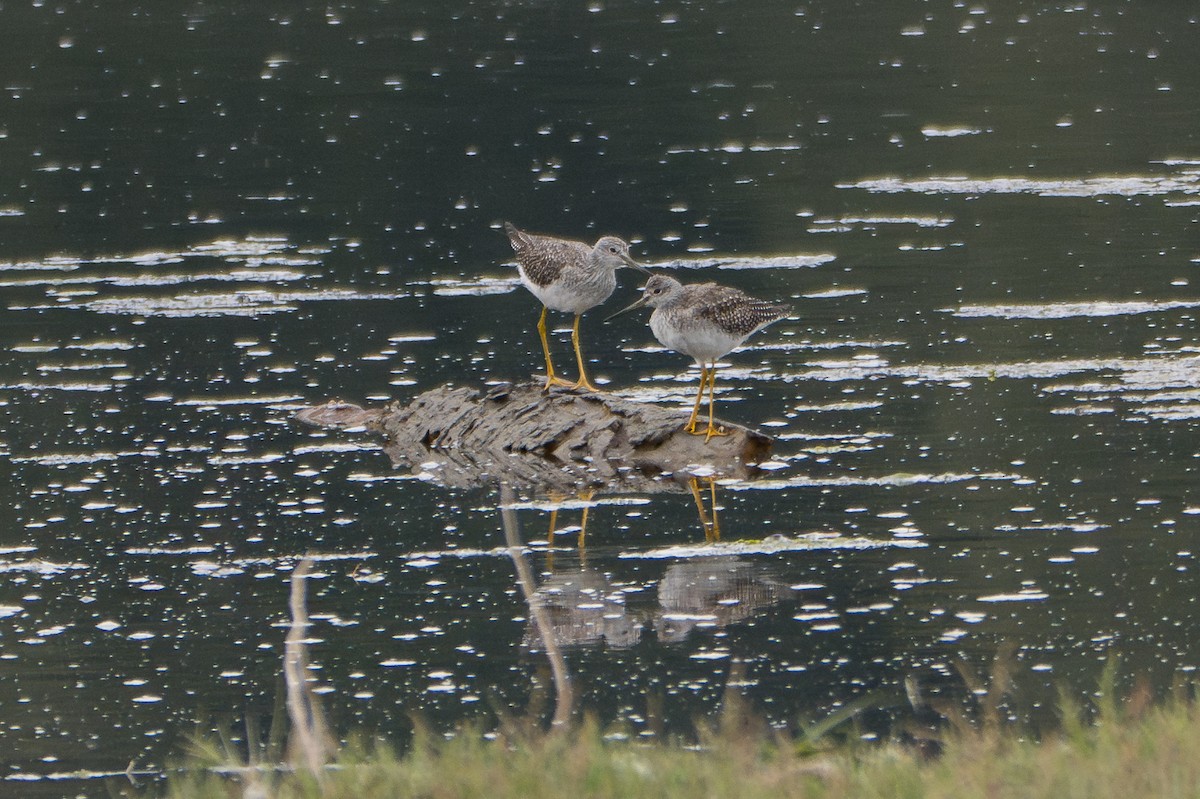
705,321
568,276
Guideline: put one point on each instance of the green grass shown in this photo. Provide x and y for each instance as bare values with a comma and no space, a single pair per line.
1133,750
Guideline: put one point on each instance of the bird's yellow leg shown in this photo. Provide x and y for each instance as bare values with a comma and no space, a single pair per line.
551,378
712,430
583,381
550,540
691,425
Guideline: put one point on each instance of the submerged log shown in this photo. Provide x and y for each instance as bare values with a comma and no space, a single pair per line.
561,440
339,415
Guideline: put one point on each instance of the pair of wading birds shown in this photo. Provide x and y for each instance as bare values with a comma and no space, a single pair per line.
705,321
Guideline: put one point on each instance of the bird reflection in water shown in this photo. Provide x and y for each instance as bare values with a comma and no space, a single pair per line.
583,606
712,593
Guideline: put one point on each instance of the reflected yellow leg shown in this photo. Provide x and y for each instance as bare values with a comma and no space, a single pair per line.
583,382
716,525
694,486
551,378
691,425
586,496
712,529
550,540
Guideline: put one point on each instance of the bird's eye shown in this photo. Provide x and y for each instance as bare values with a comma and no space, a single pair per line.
613,250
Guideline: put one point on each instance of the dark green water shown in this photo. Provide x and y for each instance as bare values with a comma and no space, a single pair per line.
213,213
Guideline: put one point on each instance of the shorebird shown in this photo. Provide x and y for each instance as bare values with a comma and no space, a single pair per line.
568,276
705,321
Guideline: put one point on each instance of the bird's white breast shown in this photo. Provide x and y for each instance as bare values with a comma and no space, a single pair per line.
575,291
703,341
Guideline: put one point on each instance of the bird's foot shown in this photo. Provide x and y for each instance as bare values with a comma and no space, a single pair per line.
554,380
586,385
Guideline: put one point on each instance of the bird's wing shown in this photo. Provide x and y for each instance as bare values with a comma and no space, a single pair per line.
737,311
544,258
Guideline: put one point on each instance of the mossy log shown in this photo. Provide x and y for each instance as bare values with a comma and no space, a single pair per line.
562,440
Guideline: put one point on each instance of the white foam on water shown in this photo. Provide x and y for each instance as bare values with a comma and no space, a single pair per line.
768,546
1067,310
846,223
831,294
1020,596
251,302
796,261
472,287
951,131
1186,182
897,479
39,566
734,147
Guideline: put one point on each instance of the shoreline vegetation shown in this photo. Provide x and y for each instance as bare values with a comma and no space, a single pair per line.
1131,745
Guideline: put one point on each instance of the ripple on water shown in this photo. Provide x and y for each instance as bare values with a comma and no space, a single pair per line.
172,279
796,261
1066,310
832,294
951,131
39,566
252,263
897,479
1165,388
1183,182
734,147
248,251
1025,595
79,386
35,347
575,504
858,344
768,546
472,287
254,302
199,549
76,458
1164,371
282,401
845,224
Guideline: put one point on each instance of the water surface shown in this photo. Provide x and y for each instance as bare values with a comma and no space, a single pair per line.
984,409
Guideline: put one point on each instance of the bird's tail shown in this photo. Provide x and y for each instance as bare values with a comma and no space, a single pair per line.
517,238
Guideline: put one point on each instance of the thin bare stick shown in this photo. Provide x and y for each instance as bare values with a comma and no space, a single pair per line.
564,703
310,740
